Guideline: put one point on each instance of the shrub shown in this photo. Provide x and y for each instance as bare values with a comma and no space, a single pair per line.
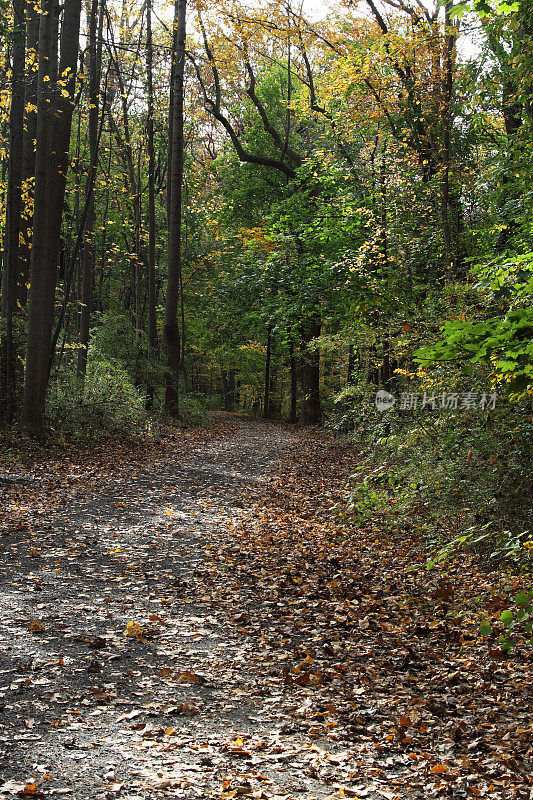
192,410
463,476
114,340
107,400
514,624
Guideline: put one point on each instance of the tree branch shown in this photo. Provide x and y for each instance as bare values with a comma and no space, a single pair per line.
267,125
215,110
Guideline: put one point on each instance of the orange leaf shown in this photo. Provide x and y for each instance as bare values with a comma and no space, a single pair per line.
35,626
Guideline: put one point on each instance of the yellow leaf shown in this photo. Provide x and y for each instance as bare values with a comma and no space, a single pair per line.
188,677
135,630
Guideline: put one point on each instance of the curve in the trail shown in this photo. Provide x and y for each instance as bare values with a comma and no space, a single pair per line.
89,712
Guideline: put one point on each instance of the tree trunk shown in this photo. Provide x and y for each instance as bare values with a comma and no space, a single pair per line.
33,408
132,175
293,414
152,322
28,148
310,372
54,118
266,404
447,91
175,187
59,164
182,314
11,274
138,261
350,377
88,252
228,380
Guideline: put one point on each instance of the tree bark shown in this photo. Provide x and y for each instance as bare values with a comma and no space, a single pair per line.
293,414
310,372
33,408
266,403
152,321
54,118
88,257
59,164
28,147
350,377
450,37
175,187
152,324
228,380
11,273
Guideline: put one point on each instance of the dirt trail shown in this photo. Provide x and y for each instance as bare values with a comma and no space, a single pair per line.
272,652
103,714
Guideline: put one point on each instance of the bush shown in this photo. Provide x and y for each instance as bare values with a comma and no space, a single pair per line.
514,625
462,477
107,401
192,410
114,340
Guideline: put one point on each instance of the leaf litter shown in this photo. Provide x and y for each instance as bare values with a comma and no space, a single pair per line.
195,624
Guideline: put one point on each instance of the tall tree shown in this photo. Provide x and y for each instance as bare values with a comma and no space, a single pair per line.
54,119
88,253
152,322
29,136
11,275
175,189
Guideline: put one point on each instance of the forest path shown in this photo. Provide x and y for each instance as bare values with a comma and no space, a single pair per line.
100,714
272,651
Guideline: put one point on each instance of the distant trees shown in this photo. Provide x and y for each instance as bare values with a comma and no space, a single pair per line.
295,194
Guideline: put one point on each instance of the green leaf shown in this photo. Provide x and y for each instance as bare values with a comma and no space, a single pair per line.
507,617
507,8
522,599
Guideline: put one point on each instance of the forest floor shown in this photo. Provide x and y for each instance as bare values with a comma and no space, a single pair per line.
188,621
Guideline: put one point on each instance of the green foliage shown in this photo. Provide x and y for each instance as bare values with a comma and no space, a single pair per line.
496,546
516,622
371,492
7,34
484,8
107,401
462,478
504,341
192,409
114,339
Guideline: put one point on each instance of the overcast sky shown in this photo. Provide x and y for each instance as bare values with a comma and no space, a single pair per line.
317,9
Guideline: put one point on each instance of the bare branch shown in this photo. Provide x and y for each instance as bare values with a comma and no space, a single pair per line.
215,110
267,125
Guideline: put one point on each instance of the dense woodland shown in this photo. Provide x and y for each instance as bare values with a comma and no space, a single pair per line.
266,387
255,208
